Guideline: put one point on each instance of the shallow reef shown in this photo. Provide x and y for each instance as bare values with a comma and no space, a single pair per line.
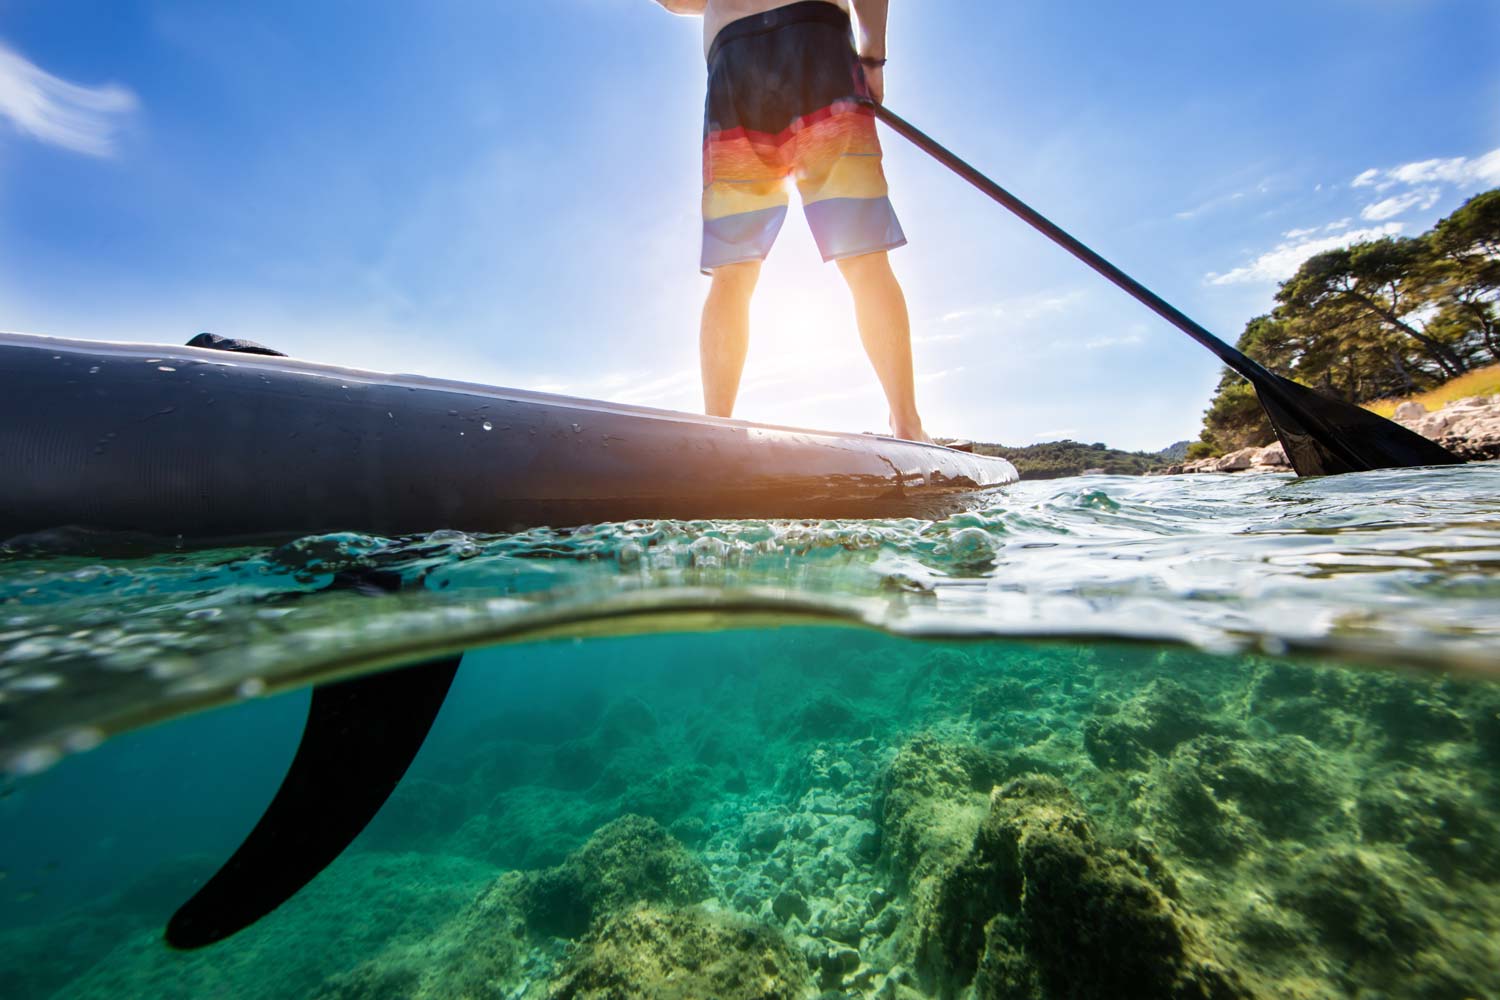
821,813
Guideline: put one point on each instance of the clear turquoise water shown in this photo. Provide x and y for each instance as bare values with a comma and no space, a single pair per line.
1262,708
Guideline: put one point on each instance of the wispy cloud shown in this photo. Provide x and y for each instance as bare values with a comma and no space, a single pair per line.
1427,179
1021,308
938,376
1425,182
1389,208
1282,262
1213,204
1459,171
1332,227
54,111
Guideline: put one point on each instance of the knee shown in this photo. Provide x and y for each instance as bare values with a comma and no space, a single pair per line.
736,279
867,268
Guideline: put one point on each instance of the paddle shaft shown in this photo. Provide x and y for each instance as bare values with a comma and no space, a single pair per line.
1229,355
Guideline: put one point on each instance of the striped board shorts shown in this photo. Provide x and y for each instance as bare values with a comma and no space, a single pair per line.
781,89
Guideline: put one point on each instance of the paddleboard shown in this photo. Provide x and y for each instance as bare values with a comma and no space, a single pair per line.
197,444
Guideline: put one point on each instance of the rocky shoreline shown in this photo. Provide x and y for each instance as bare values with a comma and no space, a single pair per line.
1470,428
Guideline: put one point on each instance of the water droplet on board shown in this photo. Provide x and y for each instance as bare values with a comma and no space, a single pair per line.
577,429
93,369
487,426
165,368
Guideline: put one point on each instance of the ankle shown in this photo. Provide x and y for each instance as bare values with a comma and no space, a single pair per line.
908,427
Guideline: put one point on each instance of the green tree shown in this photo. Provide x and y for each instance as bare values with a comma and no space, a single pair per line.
1382,318
1465,251
1388,278
1235,419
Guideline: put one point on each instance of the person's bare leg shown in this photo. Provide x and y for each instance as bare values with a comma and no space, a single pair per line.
725,336
885,329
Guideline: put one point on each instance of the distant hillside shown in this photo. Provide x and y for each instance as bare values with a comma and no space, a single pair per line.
1057,459
1172,454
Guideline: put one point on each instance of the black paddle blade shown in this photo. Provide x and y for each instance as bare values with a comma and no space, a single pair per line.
361,736
1324,437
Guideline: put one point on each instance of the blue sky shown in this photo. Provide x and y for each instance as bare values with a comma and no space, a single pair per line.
508,192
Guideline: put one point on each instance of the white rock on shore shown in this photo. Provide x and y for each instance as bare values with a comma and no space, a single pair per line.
1470,428
1270,458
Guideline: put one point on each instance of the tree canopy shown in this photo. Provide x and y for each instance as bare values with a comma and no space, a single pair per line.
1382,318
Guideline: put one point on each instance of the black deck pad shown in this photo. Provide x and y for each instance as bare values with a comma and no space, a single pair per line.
214,342
360,737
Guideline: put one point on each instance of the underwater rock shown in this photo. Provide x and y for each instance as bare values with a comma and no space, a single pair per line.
787,905
373,982
1040,908
477,953
366,904
1215,796
681,954
627,861
494,943
828,716
1305,700
1435,816
1011,711
932,802
627,721
667,793
1356,908
417,813
826,768
1161,716
762,831
1410,714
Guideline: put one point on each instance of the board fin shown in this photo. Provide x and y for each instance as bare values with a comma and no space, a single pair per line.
360,737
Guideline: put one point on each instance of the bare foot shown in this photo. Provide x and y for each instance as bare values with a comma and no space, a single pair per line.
909,430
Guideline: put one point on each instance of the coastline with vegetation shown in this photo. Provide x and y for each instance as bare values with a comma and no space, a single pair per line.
1407,327
1382,323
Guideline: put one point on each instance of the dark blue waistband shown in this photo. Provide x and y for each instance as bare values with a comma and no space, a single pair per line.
819,11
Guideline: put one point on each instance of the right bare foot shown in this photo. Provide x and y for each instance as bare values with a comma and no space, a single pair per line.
909,430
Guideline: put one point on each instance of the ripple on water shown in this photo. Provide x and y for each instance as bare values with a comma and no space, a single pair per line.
1402,565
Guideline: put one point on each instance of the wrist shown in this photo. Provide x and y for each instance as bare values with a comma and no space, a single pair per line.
872,62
